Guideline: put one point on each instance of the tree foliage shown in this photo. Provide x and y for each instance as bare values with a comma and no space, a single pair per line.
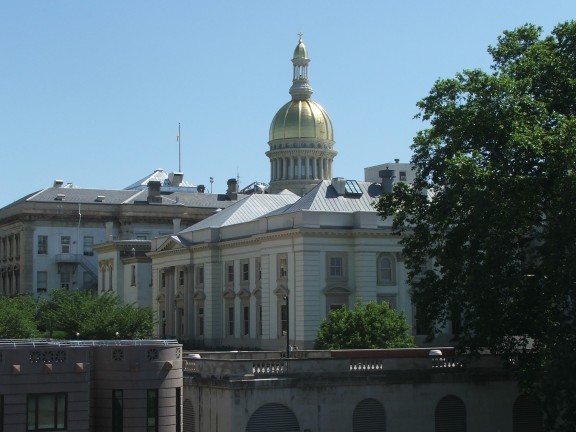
76,314
94,316
497,222
366,326
18,317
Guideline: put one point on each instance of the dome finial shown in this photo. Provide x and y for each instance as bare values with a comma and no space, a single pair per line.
300,37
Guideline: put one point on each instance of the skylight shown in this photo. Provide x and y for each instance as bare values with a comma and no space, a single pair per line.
352,188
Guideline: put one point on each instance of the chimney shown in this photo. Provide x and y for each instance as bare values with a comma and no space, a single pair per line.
176,224
154,192
339,183
232,191
175,178
58,183
109,231
387,177
396,160
200,188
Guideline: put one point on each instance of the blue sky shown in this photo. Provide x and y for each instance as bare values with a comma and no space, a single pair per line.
91,92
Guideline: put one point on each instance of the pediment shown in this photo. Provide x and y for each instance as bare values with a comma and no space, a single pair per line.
199,296
281,291
171,243
229,294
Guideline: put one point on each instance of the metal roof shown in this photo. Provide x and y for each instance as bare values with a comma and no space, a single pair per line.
250,208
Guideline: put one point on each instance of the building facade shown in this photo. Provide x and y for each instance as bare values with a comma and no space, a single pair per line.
91,386
275,265
47,239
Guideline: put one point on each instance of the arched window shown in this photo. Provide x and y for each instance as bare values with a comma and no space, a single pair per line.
385,269
526,415
450,415
369,416
273,417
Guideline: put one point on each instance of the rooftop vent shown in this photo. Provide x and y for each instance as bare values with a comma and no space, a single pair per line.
60,197
58,183
387,177
100,198
175,178
232,190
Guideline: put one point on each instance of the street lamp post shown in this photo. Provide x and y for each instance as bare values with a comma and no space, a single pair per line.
287,327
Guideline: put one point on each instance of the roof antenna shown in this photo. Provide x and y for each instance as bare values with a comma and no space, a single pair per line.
179,148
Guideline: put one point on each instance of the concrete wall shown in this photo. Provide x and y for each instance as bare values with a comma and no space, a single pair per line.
323,393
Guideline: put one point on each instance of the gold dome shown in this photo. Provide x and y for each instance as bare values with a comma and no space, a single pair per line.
302,118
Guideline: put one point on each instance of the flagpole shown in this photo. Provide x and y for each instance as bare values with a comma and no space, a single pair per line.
179,149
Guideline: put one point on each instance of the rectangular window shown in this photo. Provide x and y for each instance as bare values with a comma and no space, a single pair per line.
230,273
200,321
178,409
245,272
283,320
283,267
65,244
200,275
46,411
258,270
42,245
246,320
403,176
163,280
181,277
41,281
152,410
336,267
65,280
88,243
231,320
133,275
388,298
117,410
259,320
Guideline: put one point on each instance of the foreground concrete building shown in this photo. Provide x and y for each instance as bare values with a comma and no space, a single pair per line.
354,391
82,386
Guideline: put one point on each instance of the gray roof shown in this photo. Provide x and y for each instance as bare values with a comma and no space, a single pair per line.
111,196
250,208
164,179
325,198
84,196
322,198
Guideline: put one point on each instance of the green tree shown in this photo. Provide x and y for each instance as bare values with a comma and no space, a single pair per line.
94,316
18,317
497,221
366,326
